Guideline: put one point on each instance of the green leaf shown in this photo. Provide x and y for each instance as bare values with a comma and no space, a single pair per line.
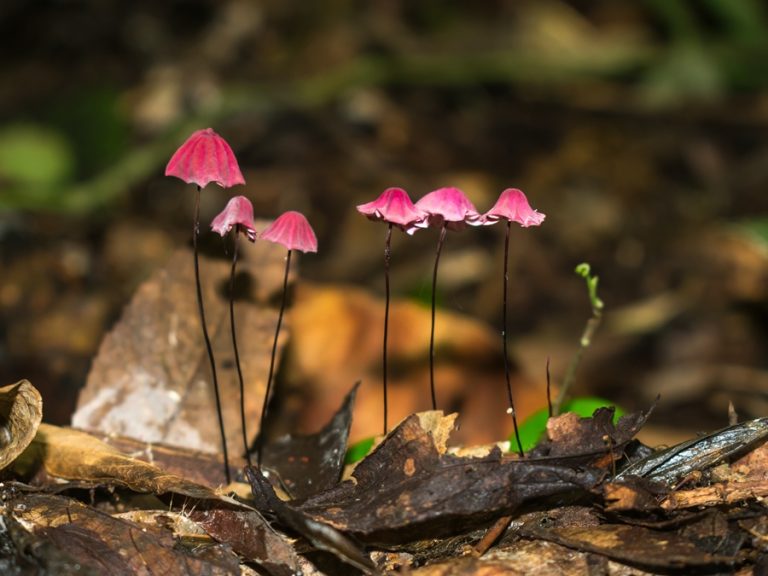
358,450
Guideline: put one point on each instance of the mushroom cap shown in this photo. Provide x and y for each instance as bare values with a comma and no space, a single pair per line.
205,157
447,206
512,205
237,213
293,231
393,206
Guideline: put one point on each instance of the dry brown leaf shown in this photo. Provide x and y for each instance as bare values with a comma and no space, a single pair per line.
21,410
410,488
193,465
151,379
337,341
76,455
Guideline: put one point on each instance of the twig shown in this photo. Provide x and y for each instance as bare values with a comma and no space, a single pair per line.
493,534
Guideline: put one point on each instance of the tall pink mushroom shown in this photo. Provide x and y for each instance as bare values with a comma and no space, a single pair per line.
511,206
204,158
448,209
293,231
394,207
238,216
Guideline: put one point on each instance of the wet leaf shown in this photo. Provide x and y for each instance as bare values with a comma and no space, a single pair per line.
410,488
321,535
21,410
583,440
674,463
310,464
151,379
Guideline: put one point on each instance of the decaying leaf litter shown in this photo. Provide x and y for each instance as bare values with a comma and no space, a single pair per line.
588,495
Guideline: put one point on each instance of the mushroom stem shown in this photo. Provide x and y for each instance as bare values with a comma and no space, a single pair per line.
549,391
504,340
272,361
387,256
209,348
440,242
234,343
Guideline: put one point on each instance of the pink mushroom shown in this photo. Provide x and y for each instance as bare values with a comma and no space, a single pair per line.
394,207
511,206
204,158
238,216
293,231
447,208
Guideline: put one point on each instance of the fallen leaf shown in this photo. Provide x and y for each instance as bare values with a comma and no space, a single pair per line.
631,494
409,488
321,535
23,552
251,537
151,379
113,545
596,439
75,455
670,465
310,464
21,411
193,465
631,544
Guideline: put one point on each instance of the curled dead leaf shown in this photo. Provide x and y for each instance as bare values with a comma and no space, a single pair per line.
21,410
76,455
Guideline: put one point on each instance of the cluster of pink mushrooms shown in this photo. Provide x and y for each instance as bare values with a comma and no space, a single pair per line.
206,157
447,209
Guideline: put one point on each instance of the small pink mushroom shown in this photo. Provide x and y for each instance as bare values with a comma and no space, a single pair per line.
293,231
511,206
394,207
449,209
238,216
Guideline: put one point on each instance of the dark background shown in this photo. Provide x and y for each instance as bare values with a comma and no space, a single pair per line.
638,128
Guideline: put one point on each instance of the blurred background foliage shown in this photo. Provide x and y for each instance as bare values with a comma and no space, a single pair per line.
638,128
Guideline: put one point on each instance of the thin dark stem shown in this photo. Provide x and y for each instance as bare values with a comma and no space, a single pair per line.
440,242
209,348
272,361
504,339
387,256
549,390
234,344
